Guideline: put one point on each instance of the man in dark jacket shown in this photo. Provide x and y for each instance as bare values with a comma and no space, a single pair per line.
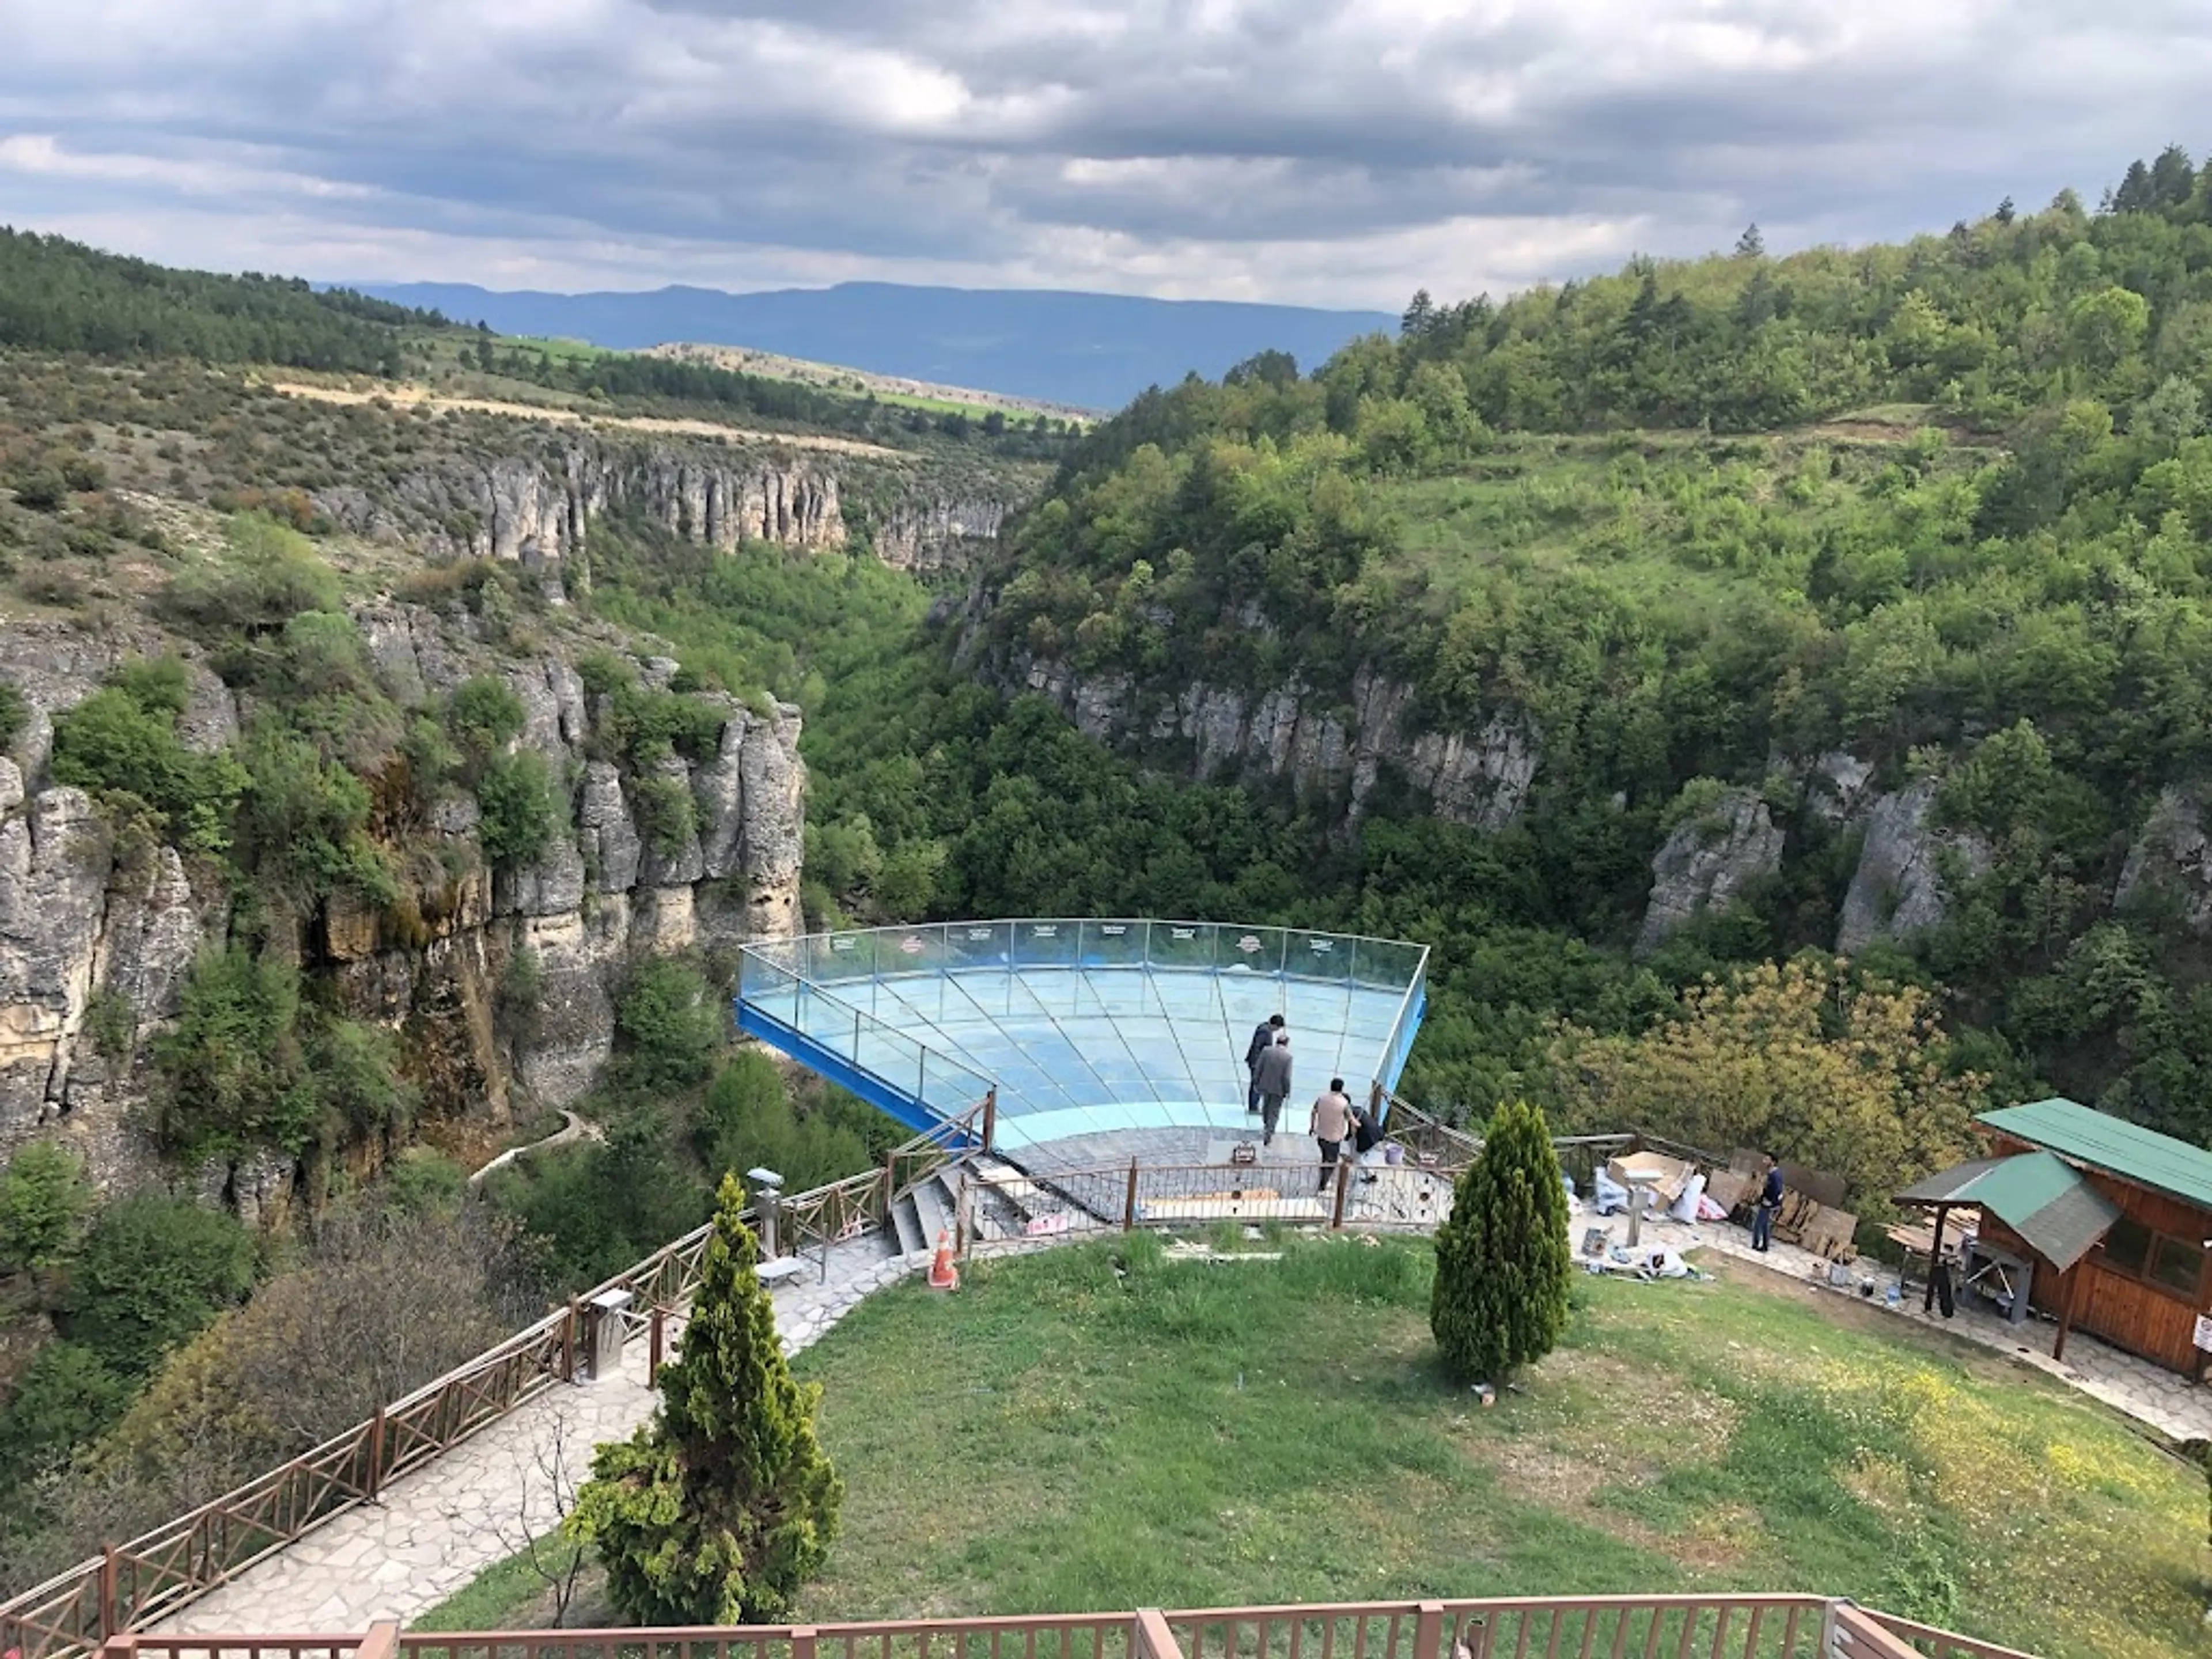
1263,1038
1769,1207
1272,1077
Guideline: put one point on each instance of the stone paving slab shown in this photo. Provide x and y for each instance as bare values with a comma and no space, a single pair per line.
435,1529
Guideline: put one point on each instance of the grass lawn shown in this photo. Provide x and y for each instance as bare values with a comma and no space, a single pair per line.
1061,1437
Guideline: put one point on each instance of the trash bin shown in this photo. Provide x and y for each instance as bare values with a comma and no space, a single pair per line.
605,1329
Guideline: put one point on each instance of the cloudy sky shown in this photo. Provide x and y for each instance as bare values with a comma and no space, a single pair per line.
1331,152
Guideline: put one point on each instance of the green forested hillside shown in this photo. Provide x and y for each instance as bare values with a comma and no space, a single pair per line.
1943,507
59,295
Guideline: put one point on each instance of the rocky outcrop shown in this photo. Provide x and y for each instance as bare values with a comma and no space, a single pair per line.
1900,888
1481,777
56,664
537,511
926,537
87,926
1706,861
2170,864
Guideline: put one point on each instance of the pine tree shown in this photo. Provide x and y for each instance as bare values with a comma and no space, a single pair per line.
1502,1257
716,1510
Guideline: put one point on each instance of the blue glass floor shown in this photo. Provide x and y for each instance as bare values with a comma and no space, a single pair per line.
1082,1026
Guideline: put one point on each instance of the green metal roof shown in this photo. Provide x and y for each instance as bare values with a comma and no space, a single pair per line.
2042,1198
2126,1150
1949,1185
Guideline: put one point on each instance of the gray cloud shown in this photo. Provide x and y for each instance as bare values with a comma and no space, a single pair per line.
1325,151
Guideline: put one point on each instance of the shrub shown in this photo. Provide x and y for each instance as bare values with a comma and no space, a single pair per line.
517,817
301,820
355,1069
1503,1267
271,574
748,1119
15,715
484,714
115,744
154,1270
63,1399
667,1029
230,1069
111,1024
716,1510
42,492
666,815
44,1200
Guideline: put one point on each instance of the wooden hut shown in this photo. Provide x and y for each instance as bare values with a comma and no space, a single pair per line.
2135,1218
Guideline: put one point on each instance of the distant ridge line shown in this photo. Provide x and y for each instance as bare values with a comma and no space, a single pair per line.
1081,351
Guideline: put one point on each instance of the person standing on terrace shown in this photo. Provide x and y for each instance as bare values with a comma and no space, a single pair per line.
1329,1124
1263,1038
1272,1077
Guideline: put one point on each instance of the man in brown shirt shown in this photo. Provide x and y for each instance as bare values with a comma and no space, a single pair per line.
1330,1123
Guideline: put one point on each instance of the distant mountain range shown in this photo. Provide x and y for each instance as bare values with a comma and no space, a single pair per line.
1095,350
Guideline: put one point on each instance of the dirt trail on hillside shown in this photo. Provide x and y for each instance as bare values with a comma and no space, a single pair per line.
414,396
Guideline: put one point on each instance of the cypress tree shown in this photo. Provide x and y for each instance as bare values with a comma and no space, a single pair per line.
1500,1299
716,1510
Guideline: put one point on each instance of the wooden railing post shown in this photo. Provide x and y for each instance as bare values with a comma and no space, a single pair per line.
802,1641
568,1342
376,1453
1848,1634
108,1575
654,1344
125,1646
1129,1201
1343,1186
990,1118
1150,1637
1429,1631
382,1641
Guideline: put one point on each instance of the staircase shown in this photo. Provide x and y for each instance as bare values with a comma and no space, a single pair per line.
1003,1203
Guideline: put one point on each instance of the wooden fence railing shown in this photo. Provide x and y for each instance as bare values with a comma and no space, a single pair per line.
1717,1626
158,1572
1918,1639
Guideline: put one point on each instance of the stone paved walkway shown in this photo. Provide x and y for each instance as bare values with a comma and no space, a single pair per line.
435,1529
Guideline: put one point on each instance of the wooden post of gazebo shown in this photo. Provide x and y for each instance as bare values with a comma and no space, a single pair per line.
2073,1276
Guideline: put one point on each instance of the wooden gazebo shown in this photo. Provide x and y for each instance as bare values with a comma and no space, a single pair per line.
2117,1218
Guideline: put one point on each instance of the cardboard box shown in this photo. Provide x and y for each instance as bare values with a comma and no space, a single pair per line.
1665,1176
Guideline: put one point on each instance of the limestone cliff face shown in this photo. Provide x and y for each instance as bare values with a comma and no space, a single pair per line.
1902,886
925,536
1480,775
1707,860
1323,747
537,509
84,924
2169,864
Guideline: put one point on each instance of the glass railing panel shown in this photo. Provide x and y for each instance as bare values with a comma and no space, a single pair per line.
1111,944
1182,944
1317,956
1254,950
1047,943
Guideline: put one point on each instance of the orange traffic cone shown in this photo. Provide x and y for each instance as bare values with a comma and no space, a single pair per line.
943,1276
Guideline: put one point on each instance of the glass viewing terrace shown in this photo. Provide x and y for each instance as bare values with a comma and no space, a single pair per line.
1084,1025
